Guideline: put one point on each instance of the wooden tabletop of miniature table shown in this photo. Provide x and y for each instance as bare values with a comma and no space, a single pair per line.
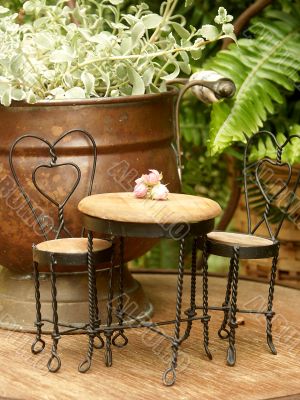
125,207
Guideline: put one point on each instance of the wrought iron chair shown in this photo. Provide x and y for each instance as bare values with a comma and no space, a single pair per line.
63,249
259,194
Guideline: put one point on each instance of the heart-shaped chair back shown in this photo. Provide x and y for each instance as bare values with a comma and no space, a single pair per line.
268,185
66,175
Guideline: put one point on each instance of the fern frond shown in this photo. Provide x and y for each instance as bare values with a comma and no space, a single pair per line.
262,68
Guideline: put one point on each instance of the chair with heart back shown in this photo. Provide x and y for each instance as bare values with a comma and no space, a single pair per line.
274,199
62,248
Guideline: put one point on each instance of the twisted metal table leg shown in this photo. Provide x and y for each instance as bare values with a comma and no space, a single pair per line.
191,312
120,339
55,333
206,317
223,332
270,313
38,323
231,352
169,376
86,364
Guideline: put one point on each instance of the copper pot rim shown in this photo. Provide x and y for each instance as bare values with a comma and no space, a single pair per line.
145,98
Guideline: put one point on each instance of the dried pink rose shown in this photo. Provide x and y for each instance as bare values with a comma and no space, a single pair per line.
145,179
154,177
150,186
140,190
139,180
159,192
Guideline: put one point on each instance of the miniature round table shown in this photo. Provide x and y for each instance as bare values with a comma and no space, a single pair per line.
122,215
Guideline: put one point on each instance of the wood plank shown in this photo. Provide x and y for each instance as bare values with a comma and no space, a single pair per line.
137,369
124,207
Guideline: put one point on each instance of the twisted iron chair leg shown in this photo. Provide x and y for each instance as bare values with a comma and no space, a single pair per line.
206,317
120,339
223,332
169,376
39,344
231,352
97,319
86,364
191,312
54,358
108,331
270,313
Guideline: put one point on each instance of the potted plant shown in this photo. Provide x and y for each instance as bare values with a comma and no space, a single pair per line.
101,69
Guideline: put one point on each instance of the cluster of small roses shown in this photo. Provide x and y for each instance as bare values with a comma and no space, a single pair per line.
150,186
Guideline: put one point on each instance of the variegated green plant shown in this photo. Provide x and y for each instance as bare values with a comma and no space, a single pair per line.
96,49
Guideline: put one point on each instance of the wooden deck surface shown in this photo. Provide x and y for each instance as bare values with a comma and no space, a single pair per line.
137,369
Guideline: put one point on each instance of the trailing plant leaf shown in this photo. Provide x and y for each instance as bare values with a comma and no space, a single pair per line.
151,21
136,81
182,32
223,17
209,32
109,53
262,68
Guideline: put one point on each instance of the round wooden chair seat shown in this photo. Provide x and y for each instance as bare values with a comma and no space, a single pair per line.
72,246
250,246
125,207
239,239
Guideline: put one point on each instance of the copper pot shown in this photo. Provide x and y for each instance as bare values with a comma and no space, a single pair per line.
132,134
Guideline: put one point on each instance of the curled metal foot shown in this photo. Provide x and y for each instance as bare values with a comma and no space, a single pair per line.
271,345
100,344
223,336
119,339
54,359
85,365
207,351
169,377
40,348
231,356
108,357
